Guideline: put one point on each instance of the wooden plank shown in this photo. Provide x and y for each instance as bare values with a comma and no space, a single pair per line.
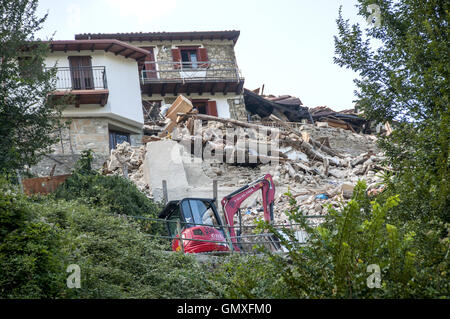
180,105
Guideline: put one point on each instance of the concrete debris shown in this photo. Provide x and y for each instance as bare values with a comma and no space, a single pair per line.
128,161
319,165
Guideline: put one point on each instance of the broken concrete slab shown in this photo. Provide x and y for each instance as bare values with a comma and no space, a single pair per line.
163,161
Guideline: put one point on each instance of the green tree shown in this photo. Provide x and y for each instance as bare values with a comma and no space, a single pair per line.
336,260
27,116
403,65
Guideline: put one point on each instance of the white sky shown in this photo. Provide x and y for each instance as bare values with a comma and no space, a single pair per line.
285,44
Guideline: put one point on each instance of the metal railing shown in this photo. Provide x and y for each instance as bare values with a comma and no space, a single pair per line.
81,78
162,71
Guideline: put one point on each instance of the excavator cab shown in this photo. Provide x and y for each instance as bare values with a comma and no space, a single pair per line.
199,225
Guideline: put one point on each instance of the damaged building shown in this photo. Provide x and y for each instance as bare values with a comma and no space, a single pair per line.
200,65
125,84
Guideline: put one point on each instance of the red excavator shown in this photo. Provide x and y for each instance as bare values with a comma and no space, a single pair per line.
200,225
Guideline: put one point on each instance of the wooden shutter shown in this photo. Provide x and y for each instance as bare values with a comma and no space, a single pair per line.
81,72
176,57
202,57
211,108
150,68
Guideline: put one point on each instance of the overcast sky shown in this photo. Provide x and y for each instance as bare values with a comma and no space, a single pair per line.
285,44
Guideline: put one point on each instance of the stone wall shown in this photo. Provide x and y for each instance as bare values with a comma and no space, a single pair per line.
81,134
215,51
237,110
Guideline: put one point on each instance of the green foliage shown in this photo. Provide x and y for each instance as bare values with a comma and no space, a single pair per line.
334,262
27,116
31,254
248,277
41,236
406,79
117,259
117,194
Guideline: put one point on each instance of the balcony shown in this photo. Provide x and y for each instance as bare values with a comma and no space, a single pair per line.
87,84
191,77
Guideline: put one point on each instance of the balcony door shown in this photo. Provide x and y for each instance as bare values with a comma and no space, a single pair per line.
81,72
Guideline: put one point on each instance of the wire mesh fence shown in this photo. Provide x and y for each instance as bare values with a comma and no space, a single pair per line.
248,239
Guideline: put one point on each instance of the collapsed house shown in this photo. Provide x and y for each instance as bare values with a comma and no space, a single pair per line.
318,164
171,107
285,108
346,119
122,81
291,109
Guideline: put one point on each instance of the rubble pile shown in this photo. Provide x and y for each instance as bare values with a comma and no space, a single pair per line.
318,164
127,161
313,177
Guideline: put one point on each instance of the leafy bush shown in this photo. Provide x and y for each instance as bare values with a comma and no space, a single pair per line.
118,260
31,255
335,261
116,193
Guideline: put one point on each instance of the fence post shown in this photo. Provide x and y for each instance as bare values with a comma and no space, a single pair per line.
125,170
179,235
227,235
165,195
215,192
19,179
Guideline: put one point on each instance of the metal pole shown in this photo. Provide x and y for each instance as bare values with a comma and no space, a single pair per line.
228,237
215,191
165,195
179,236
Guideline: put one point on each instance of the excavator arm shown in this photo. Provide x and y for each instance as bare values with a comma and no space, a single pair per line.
232,202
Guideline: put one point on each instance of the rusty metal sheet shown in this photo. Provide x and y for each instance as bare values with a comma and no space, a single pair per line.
43,185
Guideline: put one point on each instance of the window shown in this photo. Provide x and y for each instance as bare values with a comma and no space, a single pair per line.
81,72
205,107
200,107
192,57
150,66
189,59
116,137
172,222
196,212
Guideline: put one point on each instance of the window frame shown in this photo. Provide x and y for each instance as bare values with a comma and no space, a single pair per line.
113,138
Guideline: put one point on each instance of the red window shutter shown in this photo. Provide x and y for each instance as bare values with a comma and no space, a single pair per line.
202,57
211,108
176,56
149,67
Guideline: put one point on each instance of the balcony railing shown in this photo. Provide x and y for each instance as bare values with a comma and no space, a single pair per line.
190,71
81,78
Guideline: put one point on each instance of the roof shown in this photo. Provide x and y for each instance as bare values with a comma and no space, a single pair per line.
260,105
285,100
164,36
108,45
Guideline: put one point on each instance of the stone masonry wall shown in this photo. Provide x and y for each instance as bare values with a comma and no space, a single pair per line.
81,134
216,52
237,110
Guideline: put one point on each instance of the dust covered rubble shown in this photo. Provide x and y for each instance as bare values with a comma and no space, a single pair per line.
315,178
318,165
127,161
